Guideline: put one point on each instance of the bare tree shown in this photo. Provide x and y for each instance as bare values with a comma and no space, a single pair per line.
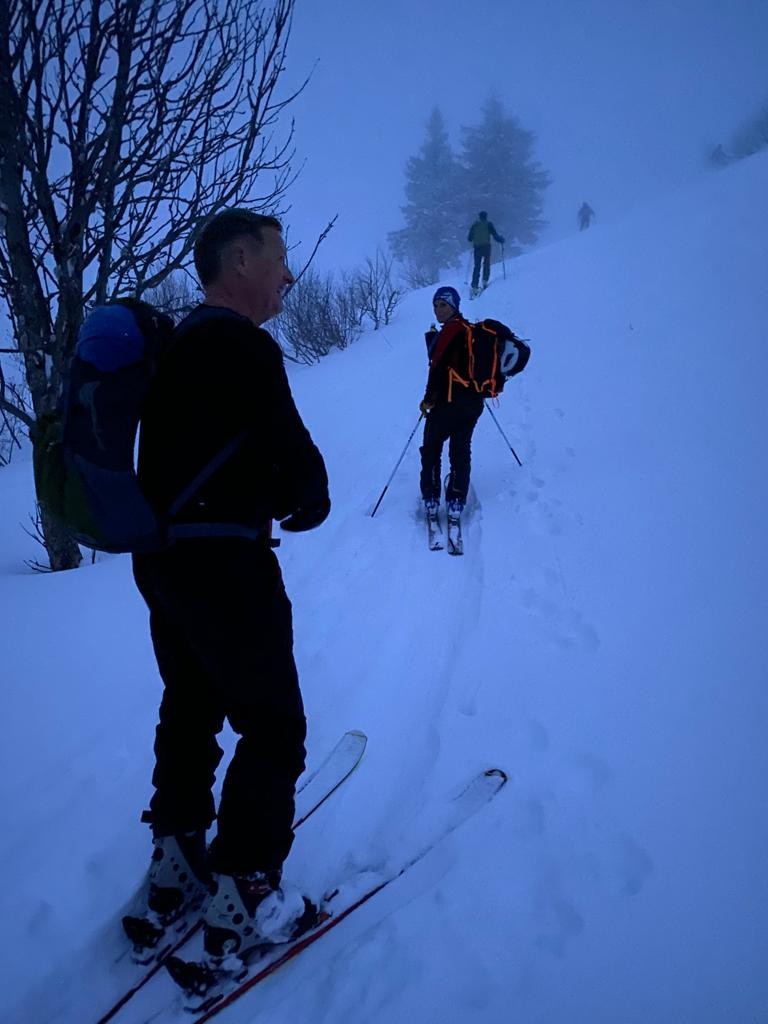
376,295
122,124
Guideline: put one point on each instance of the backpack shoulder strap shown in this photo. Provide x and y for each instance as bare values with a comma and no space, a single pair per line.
195,318
445,337
199,315
206,473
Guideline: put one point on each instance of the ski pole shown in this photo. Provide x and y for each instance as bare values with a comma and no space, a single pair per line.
490,410
503,264
469,266
397,464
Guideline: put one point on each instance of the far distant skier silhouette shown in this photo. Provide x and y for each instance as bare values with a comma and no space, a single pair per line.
718,156
480,235
586,213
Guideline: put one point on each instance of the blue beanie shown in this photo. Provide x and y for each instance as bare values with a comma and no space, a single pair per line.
447,294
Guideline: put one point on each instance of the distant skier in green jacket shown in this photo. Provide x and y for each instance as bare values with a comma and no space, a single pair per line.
480,235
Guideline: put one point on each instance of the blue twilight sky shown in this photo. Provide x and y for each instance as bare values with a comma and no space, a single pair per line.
624,97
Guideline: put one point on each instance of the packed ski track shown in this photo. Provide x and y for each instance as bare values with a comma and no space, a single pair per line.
601,640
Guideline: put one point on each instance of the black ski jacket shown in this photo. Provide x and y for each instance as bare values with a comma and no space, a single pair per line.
224,378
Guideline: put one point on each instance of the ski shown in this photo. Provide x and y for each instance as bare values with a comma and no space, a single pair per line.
434,531
329,775
455,540
340,903
311,794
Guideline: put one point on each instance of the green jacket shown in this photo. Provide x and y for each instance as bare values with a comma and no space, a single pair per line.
481,233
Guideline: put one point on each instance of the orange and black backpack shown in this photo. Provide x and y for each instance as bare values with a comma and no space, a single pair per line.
490,355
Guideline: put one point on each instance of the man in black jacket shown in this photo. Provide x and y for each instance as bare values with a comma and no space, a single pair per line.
219,615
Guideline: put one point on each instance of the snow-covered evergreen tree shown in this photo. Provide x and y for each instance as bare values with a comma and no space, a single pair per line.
433,236
752,136
500,175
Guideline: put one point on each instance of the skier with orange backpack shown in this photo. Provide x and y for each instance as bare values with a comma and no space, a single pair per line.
467,364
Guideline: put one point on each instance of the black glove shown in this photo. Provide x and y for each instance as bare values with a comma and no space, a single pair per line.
307,518
501,240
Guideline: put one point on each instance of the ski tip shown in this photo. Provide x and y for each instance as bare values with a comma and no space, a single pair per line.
355,741
497,773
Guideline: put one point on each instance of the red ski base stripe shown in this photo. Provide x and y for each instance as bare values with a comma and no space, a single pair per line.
151,972
298,947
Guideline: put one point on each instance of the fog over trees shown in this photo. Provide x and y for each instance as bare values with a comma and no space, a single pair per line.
495,170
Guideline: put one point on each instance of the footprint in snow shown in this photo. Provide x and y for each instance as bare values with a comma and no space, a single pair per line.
588,774
560,922
569,629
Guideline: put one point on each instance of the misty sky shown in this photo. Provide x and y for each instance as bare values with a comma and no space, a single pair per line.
625,98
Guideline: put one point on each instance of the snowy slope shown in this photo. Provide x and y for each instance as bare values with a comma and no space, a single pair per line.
603,640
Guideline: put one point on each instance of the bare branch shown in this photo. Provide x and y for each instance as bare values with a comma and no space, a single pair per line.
321,238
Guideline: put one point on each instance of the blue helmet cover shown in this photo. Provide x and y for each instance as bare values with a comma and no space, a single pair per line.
110,338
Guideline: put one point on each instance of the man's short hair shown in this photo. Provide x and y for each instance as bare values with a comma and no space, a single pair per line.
221,229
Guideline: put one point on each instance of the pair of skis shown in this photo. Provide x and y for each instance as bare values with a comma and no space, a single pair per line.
343,900
313,792
435,536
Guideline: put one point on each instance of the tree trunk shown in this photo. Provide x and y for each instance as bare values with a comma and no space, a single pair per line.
62,551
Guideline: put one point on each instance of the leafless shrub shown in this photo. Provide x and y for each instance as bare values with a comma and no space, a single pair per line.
415,275
375,293
177,295
319,315
35,531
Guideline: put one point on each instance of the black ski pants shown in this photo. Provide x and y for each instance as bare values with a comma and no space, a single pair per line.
453,422
222,632
482,256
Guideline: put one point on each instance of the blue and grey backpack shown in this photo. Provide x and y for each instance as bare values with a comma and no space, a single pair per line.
83,452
